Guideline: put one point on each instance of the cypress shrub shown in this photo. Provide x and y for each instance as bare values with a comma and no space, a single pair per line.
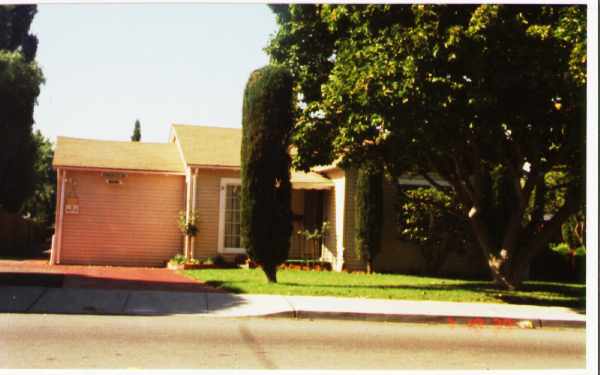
266,217
369,213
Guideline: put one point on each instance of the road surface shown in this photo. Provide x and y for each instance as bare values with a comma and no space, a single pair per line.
173,342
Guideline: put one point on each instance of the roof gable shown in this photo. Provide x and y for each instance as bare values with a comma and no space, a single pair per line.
209,146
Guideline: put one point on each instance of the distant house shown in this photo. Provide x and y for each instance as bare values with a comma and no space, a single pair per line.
118,203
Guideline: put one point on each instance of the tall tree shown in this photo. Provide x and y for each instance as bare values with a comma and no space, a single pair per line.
489,97
137,132
40,206
266,216
20,80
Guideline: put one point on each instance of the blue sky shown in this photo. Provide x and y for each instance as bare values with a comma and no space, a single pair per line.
106,65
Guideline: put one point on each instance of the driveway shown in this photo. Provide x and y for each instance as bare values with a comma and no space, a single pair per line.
37,272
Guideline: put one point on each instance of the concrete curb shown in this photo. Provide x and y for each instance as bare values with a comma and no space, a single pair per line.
471,321
154,303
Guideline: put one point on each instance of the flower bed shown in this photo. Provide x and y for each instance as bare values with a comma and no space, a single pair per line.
305,265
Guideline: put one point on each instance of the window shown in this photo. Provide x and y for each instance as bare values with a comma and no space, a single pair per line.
232,216
229,217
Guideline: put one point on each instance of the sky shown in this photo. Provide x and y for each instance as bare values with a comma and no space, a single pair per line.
106,65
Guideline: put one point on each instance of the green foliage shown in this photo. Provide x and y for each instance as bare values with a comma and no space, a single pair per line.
564,249
315,238
266,217
369,213
21,237
20,80
316,234
178,259
432,219
217,260
15,21
40,206
573,231
188,227
472,93
137,132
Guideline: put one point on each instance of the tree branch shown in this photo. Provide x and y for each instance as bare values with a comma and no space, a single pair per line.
549,228
432,181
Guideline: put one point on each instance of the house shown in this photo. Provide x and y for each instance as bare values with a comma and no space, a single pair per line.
118,203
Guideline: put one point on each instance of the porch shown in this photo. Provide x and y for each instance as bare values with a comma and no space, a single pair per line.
312,204
309,212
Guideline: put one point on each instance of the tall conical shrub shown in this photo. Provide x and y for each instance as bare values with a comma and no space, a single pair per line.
369,212
266,218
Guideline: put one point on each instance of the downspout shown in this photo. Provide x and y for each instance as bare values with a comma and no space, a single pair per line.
194,188
62,177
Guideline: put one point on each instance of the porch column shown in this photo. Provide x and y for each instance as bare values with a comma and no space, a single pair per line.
188,197
193,209
60,198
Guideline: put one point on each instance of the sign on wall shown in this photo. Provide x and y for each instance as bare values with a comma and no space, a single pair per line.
72,205
114,177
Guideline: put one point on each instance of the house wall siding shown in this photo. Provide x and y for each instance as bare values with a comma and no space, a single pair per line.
208,190
395,255
401,256
134,223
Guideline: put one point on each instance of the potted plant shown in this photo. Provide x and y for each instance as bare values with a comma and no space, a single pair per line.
188,227
176,263
315,238
179,262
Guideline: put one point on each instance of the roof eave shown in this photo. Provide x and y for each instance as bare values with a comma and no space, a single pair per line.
108,169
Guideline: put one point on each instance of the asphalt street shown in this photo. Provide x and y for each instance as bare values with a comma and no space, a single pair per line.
186,341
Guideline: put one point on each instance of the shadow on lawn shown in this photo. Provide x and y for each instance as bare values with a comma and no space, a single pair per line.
224,286
562,295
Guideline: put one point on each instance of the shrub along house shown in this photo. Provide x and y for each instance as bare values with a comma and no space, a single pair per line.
118,203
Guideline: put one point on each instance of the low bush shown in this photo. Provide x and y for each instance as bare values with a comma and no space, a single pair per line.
558,264
177,259
23,238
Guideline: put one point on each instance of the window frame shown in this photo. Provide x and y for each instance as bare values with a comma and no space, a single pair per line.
225,182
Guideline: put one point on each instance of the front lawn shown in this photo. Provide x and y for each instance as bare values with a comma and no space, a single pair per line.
388,286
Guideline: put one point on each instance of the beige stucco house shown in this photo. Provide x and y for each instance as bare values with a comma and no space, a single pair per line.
118,203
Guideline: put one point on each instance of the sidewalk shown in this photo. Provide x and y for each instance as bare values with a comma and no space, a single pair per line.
41,300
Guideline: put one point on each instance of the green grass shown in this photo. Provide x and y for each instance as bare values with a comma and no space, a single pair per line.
388,286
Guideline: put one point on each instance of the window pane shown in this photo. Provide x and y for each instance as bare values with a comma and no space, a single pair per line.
232,216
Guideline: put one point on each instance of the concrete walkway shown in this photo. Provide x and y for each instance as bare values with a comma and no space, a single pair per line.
42,300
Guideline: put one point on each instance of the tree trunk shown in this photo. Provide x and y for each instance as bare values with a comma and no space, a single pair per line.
520,271
271,272
369,266
510,269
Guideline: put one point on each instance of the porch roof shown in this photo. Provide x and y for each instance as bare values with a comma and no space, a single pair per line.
92,153
310,181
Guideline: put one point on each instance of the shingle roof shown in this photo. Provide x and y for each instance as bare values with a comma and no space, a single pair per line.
91,153
214,146
200,146
209,146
